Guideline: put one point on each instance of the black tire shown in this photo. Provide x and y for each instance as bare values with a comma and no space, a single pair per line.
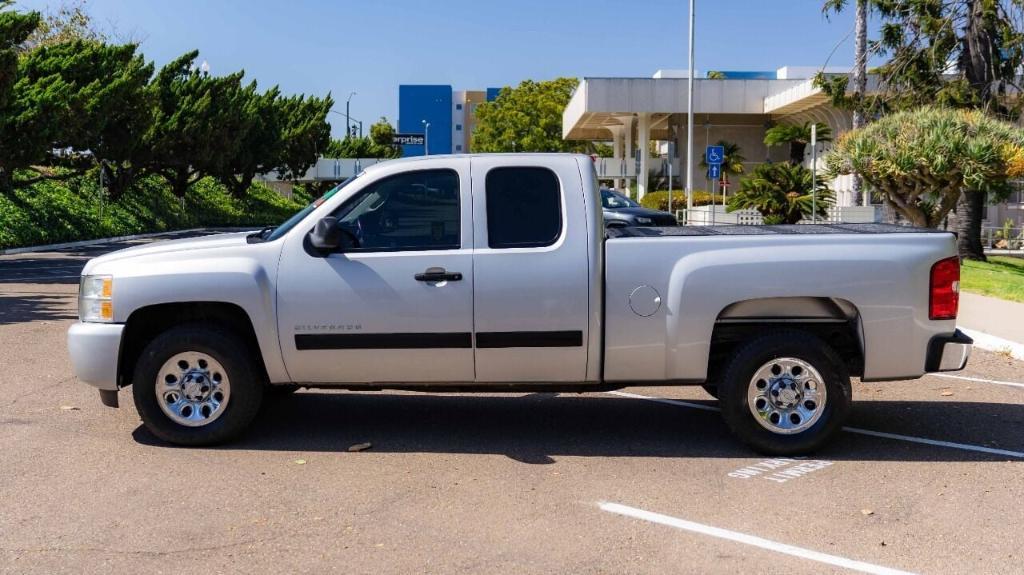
247,384
711,390
756,353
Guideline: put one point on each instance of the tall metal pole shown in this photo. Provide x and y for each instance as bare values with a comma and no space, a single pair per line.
348,121
814,171
689,123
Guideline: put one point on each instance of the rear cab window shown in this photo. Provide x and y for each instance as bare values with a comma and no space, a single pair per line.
524,207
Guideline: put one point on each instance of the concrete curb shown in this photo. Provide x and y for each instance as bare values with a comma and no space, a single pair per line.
994,343
99,241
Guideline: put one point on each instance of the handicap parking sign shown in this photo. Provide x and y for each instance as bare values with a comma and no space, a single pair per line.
715,155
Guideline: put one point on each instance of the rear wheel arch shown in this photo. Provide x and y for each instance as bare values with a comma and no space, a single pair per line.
147,323
835,321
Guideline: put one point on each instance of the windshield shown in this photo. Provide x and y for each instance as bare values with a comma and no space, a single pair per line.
612,200
301,214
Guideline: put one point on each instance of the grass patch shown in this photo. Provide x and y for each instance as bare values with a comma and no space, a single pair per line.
1000,276
55,212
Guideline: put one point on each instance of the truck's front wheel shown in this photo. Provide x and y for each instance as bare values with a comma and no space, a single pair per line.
196,385
785,393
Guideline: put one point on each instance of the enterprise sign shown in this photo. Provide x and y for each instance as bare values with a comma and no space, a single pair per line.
408,139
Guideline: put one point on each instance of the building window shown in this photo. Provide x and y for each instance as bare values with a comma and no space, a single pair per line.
458,106
458,147
458,127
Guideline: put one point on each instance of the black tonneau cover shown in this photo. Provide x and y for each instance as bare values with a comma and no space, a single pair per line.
761,230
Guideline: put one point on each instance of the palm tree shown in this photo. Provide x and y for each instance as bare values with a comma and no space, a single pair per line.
797,136
782,193
860,70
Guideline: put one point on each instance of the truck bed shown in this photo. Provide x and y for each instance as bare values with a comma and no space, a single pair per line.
760,230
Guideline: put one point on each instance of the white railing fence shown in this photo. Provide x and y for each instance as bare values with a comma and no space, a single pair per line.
1002,238
708,215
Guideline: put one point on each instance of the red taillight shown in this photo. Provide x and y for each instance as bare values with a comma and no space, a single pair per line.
944,289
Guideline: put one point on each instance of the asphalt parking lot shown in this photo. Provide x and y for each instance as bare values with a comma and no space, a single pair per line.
928,477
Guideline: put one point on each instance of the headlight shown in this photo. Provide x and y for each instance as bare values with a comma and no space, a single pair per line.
94,299
644,221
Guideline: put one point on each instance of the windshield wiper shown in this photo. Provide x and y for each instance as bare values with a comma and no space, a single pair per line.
260,236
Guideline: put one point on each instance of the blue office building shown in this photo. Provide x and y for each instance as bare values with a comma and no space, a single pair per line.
451,115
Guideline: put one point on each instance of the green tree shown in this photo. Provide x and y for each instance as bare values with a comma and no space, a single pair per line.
84,99
716,75
382,134
71,22
859,75
983,41
258,143
196,122
15,28
527,118
782,193
305,133
797,137
922,160
377,145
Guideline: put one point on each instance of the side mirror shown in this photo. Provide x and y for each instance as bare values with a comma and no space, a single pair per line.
326,236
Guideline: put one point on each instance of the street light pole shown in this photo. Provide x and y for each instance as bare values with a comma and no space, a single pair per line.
689,124
348,123
426,137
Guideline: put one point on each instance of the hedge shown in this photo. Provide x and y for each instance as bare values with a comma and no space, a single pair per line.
66,211
659,200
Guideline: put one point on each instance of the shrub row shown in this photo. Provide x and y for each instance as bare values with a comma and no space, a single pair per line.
659,200
54,212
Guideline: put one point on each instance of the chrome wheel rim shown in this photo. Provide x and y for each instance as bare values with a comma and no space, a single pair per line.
786,395
192,389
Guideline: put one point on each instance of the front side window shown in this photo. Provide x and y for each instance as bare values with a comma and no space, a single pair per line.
524,208
405,212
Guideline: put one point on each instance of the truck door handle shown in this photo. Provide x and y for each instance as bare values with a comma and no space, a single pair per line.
438,275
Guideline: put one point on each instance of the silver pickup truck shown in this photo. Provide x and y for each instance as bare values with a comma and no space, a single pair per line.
496,273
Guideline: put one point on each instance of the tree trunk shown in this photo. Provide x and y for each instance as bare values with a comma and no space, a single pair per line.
977,53
796,153
969,212
976,65
178,178
6,181
860,83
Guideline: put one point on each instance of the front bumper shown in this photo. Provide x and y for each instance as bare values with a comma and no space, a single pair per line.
94,350
948,352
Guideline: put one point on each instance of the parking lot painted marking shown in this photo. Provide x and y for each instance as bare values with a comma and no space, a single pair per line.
936,442
665,400
780,470
978,379
883,434
753,540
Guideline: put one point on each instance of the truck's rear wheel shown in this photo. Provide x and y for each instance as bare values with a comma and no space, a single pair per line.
196,385
785,393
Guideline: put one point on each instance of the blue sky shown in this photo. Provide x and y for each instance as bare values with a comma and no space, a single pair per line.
372,46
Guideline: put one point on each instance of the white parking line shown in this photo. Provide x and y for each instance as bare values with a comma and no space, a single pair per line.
977,379
665,400
857,430
755,541
936,442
